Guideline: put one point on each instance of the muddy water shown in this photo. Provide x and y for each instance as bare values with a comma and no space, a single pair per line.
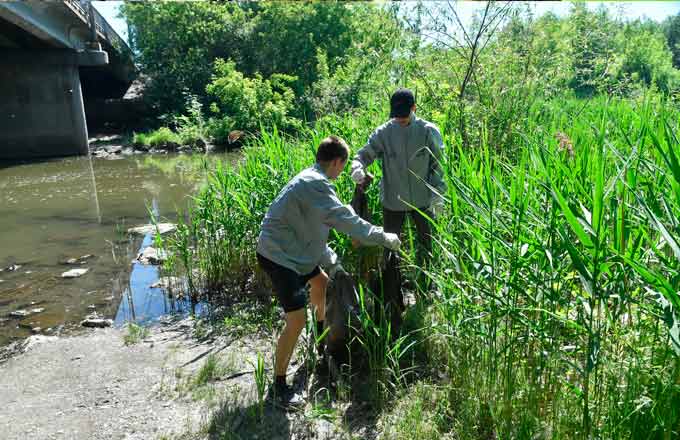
57,210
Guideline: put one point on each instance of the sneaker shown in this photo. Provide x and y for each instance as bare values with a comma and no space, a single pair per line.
285,397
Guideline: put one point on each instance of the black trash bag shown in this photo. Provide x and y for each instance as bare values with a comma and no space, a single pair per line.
342,315
360,201
386,285
342,307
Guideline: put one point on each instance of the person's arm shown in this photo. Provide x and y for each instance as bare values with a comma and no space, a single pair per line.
373,149
343,218
436,175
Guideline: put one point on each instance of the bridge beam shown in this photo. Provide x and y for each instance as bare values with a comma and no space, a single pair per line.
42,112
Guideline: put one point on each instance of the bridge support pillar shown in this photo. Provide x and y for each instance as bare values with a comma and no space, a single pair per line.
41,105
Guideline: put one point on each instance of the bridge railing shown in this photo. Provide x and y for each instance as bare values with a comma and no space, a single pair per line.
104,29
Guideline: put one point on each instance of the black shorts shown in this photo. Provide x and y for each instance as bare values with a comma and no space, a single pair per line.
288,285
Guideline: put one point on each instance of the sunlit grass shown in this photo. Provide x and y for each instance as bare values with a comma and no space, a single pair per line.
556,269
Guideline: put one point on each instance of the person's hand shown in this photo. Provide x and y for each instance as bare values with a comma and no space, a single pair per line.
392,241
436,207
358,175
337,267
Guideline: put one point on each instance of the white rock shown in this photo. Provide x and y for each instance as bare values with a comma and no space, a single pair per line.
74,273
23,313
169,283
151,255
150,229
37,340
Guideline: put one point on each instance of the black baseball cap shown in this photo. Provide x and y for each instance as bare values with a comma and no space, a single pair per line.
401,102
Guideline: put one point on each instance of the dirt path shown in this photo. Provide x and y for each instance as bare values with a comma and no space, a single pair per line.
93,386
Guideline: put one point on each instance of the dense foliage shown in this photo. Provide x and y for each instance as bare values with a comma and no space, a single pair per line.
334,63
178,42
249,103
554,308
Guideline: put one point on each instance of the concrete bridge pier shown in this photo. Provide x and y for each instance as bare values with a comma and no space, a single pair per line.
41,110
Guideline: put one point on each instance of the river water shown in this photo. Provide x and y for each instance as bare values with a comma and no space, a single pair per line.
56,210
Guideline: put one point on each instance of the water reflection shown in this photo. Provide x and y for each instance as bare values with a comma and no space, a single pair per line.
57,210
144,304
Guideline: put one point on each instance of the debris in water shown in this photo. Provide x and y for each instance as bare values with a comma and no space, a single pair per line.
79,260
151,255
169,283
97,322
74,273
23,313
150,229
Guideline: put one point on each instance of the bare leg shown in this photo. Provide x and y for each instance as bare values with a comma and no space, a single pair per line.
295,321
317,293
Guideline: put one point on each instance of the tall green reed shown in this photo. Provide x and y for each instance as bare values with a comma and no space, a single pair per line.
556,265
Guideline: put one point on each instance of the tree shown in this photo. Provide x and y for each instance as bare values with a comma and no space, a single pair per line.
672,31
592,49
177,42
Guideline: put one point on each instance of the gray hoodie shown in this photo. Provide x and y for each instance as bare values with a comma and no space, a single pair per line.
410,158
295,229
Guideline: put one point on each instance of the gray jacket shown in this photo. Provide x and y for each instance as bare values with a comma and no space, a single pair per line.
410,158
295,229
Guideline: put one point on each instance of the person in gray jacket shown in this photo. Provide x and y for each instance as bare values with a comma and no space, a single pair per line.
410,150
292,247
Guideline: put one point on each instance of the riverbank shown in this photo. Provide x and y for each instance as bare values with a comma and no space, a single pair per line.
56,212
177,382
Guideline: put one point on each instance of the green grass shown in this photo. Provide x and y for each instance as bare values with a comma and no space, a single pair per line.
157,138
556,274
135,333
425,412
210,370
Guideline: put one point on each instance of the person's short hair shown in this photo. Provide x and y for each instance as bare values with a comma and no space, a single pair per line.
401,102
331,148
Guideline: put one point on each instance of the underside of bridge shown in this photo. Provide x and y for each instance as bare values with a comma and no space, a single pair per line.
45,79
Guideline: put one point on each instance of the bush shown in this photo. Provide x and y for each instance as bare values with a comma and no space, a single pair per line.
248,104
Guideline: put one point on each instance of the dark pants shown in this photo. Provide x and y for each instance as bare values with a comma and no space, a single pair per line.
393,221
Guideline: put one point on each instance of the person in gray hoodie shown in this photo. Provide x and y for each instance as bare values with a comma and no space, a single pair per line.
410,150
292,247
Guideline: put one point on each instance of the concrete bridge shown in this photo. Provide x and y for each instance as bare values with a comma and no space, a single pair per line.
54,56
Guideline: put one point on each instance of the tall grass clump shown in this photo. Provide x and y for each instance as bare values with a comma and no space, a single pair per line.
553,307
217,242
558,270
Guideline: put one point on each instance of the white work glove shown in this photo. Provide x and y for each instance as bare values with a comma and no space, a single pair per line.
335,269
358,175
392,241
436,207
